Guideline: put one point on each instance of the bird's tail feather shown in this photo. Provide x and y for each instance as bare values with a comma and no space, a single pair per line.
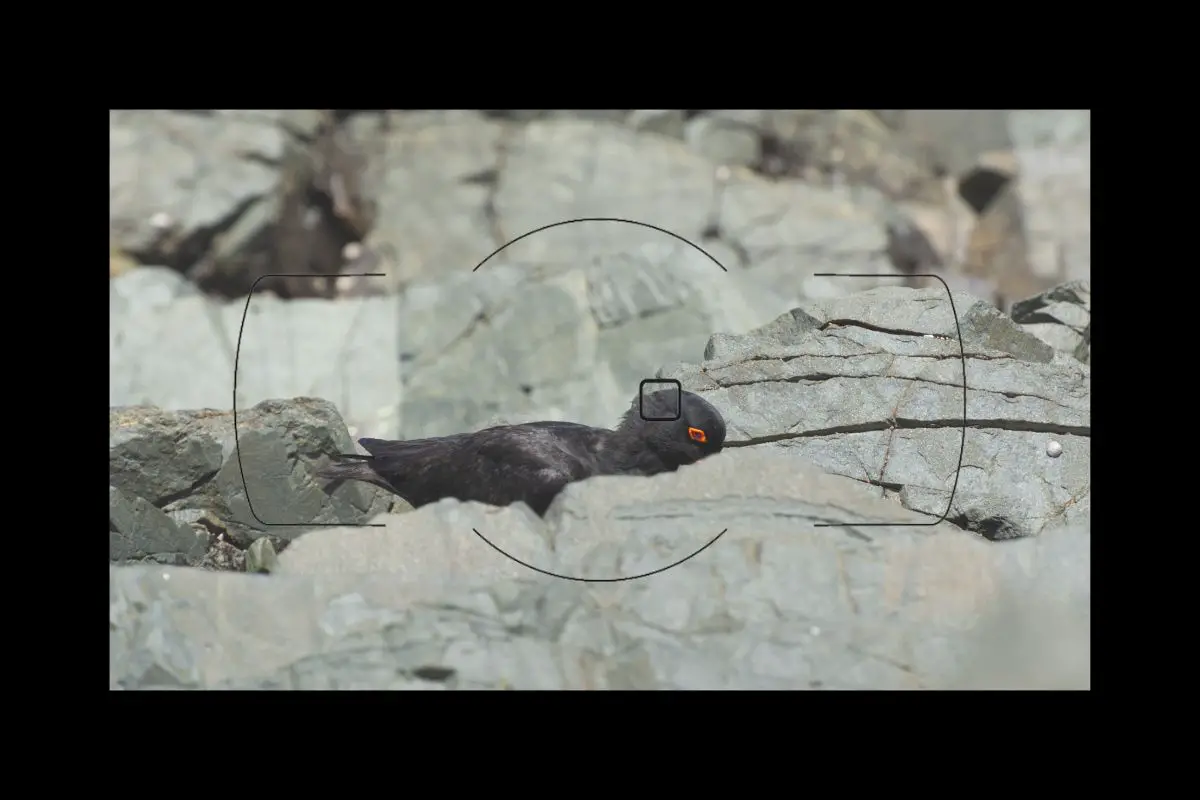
348,467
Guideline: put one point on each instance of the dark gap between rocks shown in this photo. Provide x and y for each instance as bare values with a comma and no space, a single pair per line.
980,187
321,209
187,492
994,529
781,158
853,323
183,253
435,674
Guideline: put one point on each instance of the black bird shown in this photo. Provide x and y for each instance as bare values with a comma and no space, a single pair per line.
534,461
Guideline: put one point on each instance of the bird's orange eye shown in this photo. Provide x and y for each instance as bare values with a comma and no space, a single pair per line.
697,435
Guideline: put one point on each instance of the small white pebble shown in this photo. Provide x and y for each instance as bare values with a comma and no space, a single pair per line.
344,284
352,430
352,251
1053,449
161,221
814,630
928,335
166,576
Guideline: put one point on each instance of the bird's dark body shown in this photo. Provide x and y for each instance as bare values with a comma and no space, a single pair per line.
531,463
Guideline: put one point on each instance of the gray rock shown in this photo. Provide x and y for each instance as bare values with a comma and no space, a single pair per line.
175,176
433,177
261,556
1054,149
563,324
558,170
347,350
186,462
174,628
897,310
787,232
1083,351
1021,193
174,349
973,149
855,146
151,457
426,552
777,603
1038,634
442,357
429,380
875,395
928,312
573,344
147,289
138,530
1061,317
668,122
528,115
723,141
443,183
959,138
620,526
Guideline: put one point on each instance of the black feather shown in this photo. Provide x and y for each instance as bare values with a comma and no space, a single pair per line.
531,463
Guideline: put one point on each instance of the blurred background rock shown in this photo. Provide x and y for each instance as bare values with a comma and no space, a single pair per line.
563,323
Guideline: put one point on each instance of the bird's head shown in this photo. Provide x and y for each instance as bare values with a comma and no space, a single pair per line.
697,433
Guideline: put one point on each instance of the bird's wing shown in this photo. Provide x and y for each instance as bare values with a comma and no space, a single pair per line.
533,462
498,466
580,449
528,449
386,448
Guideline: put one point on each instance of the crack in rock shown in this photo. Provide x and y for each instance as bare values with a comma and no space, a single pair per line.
853,323
902,423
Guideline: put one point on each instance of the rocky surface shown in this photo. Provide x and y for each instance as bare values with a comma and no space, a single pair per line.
217,199
177,475
809,554
835,543
273,191
870,387
137,529
1054,154
775,604
1061,317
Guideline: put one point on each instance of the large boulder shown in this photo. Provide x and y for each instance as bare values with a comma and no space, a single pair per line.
1061,317
871,387
137,530
171,469
776,603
